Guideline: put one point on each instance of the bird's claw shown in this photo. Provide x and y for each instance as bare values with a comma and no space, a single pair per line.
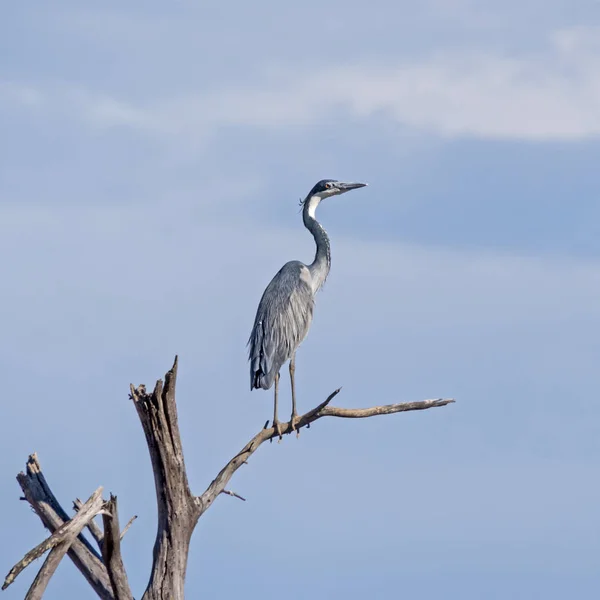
293,424
277,427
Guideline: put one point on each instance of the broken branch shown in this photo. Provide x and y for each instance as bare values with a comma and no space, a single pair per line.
53,516
177,509
59,542
111,551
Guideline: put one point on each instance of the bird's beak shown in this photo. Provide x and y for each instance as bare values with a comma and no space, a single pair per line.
346,187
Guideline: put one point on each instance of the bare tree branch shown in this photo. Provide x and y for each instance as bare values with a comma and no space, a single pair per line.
59,542
43,576
111,552
177,509
95,530
387,409
53,516
129,524
229,493
92,526
322,410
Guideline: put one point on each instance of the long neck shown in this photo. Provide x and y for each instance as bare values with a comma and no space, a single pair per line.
319,268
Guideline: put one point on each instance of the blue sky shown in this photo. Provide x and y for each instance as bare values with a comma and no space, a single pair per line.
151,165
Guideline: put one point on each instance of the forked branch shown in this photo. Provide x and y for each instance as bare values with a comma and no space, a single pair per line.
322,410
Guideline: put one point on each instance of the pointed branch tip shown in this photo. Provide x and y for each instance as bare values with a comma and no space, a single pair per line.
229,493
129,524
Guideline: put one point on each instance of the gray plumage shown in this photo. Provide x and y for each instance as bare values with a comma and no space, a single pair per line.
285,310
282,321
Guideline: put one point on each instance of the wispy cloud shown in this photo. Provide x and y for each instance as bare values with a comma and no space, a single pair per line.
542,96
21,95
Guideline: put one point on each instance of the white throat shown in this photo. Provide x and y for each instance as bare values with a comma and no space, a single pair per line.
313,202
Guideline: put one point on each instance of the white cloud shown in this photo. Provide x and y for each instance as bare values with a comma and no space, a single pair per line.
552,95
534,97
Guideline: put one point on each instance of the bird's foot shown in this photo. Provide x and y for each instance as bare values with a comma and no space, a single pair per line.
277,427
294,424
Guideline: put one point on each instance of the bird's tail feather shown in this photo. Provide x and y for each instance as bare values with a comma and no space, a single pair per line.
261,380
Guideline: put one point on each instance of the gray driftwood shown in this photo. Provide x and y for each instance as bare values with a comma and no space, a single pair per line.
178,508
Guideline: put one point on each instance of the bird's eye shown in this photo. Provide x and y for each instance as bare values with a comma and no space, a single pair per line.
328,186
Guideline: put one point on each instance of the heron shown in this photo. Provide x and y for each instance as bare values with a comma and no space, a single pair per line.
285,311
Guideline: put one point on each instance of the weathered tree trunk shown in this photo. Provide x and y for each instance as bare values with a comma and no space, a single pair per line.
178,510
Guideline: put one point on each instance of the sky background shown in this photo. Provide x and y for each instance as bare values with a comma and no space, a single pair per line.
151,160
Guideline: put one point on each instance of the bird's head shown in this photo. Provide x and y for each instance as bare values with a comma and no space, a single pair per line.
325,189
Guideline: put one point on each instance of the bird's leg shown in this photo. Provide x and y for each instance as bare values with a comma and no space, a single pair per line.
276,423
295,418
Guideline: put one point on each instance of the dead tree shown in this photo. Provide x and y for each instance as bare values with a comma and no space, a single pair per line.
178,508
